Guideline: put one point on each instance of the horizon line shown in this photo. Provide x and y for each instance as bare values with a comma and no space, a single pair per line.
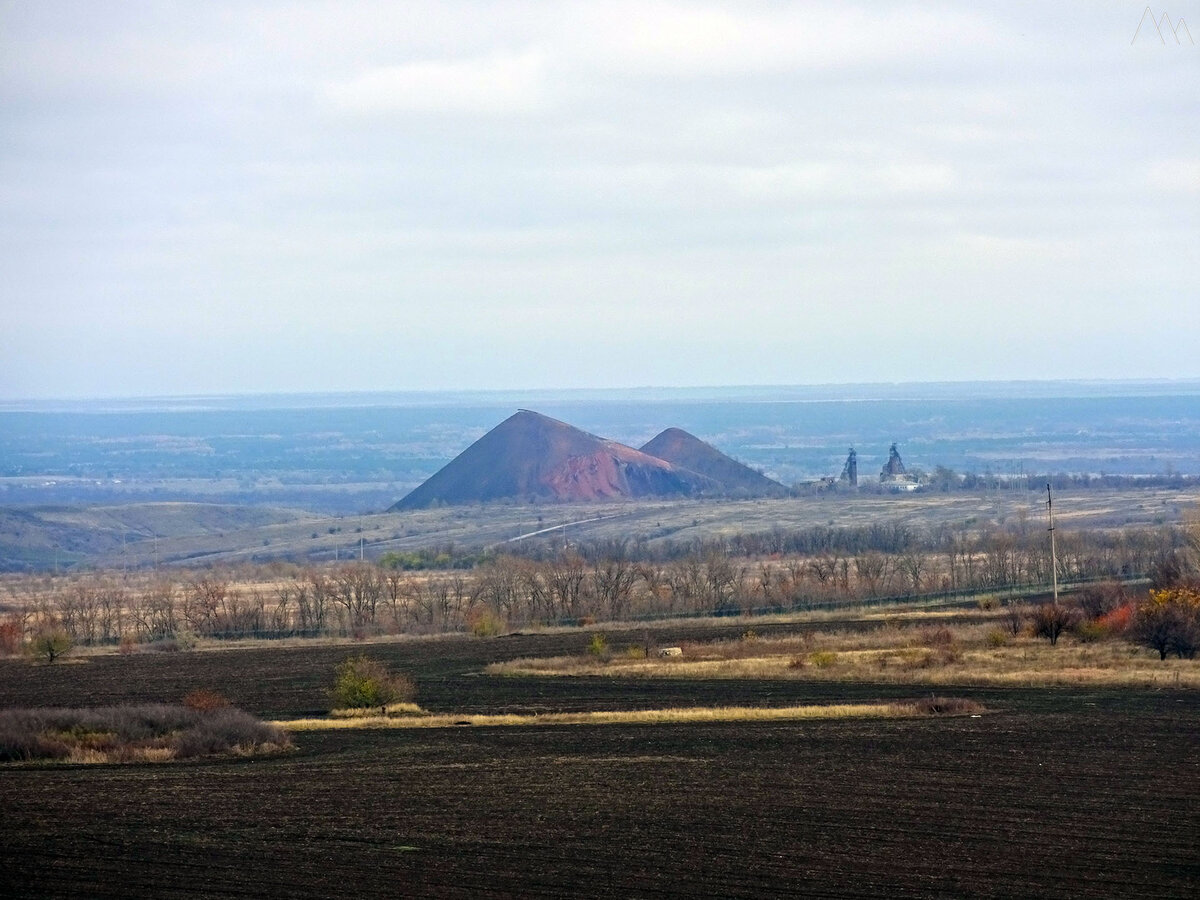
6,403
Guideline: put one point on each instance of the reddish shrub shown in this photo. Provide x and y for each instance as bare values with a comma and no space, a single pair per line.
1119,619
204,700
11,638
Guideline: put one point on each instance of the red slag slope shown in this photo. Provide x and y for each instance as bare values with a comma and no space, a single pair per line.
687,451
530,457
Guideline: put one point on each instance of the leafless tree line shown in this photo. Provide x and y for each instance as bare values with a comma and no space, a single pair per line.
608,582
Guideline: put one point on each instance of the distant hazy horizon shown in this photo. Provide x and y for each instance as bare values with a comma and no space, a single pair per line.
816,392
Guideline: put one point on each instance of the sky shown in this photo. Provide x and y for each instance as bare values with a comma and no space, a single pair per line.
242,197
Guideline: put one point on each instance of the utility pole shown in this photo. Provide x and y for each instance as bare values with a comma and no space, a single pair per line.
1053,551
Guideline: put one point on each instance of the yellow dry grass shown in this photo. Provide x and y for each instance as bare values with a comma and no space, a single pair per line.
392,709
617,717
894,654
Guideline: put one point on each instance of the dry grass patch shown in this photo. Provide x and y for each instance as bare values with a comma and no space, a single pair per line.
650,716
392,710
918,652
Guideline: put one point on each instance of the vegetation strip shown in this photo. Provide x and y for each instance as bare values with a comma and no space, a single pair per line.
205,725
645,716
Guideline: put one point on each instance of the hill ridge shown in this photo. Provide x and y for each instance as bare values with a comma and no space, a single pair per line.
687,451
534,457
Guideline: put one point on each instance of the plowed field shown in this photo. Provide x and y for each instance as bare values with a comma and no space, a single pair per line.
1056,793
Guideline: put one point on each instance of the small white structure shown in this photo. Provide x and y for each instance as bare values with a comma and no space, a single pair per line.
670,651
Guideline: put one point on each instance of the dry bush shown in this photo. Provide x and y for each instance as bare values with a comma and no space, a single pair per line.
227,730
823,659
1087,631
12,636
947,706
148,732
937,637
997,637
951,653
1050,620
482,622
1169,621
1100,599
917,659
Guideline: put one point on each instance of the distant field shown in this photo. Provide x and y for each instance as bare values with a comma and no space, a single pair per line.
140,535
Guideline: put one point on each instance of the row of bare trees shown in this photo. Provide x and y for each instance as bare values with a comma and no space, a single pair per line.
600,582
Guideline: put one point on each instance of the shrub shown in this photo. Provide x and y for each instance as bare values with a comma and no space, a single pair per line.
484,623
50,643
185,640
947,706
598,645
149,732
1014,619
1050,620
635,651
1101,599
797,662
937,637
11,638
950,653
1119,619
917,659
227,730
997,638
1169,621
823,659
1088,632
362,682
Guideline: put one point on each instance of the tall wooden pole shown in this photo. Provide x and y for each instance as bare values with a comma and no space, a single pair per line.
1053,551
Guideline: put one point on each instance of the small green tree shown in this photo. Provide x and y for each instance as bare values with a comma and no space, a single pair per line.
51,643
362,682
598,645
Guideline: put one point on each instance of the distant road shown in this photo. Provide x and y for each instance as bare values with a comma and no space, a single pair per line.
529,534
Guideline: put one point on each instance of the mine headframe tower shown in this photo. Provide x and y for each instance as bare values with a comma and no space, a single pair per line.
850,470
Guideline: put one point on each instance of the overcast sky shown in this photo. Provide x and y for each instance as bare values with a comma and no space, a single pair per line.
206,197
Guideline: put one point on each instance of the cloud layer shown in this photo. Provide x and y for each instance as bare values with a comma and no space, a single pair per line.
274,196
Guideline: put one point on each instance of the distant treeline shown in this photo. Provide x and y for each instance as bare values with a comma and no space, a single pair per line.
590,582
948,480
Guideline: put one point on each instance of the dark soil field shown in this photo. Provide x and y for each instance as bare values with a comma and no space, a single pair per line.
1058,793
